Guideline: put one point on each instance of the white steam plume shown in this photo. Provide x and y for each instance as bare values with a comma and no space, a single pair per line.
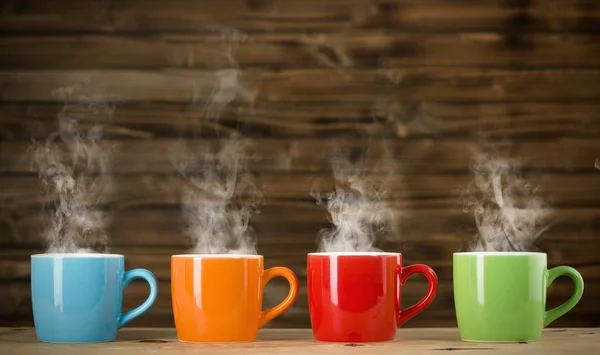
220,199
73,168
221,194
508,213
357,207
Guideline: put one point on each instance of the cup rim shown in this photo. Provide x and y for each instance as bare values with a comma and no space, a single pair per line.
355,253
503,253
77,255
219,256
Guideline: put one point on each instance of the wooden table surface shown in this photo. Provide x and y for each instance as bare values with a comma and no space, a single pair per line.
411,341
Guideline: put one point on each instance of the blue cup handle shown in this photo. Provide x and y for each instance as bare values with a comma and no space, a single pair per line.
136,312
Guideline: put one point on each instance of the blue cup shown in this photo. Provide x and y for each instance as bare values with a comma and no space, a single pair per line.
77,298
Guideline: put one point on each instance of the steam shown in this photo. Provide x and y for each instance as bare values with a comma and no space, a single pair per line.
508,214
220,200
597,164
221,194
73,168
357,207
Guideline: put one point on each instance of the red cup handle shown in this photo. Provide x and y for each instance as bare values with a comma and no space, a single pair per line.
404,273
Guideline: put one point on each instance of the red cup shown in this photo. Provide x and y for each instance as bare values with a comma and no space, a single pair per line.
355,297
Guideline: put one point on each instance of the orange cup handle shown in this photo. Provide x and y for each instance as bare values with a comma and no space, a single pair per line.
269,314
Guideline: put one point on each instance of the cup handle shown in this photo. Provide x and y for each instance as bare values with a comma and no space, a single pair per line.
553,314
136,312
269,314
404,273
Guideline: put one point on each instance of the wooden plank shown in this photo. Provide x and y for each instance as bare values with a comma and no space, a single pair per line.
406,191
16,303
379,119
304,85
310,15
286,234
299,224
413,156
136,341
348,49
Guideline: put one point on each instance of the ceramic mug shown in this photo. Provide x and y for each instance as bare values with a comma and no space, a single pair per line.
77,297
355,297
501,296
218,297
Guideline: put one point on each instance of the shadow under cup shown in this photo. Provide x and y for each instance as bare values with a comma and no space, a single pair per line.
78,297
218,298
355,297
501,296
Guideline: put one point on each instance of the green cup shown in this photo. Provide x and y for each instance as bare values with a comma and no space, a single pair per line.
501,296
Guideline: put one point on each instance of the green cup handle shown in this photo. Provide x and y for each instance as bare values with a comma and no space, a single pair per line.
553,314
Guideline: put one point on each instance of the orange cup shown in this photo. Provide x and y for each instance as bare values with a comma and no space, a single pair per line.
218,298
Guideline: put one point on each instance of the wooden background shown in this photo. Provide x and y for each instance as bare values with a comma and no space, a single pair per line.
425,77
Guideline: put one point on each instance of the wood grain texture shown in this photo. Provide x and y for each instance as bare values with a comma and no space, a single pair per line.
68,16
407,191
321,50
285,235
391,118
304,85
134,341
416,156
287,225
